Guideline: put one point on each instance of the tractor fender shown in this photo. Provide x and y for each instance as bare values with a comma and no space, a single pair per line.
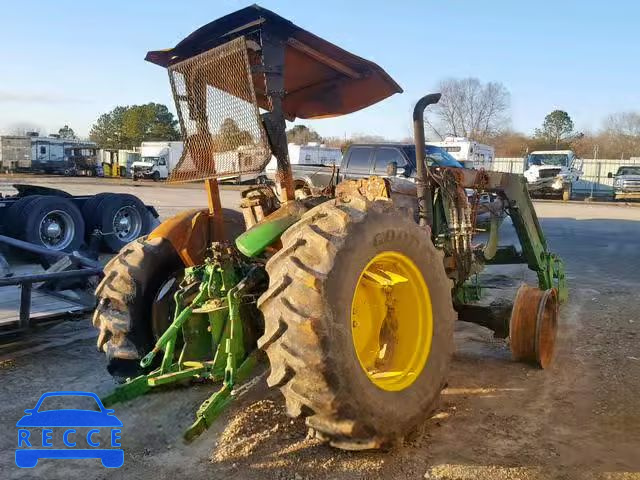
189,233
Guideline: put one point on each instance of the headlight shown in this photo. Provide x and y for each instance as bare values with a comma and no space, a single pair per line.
617,182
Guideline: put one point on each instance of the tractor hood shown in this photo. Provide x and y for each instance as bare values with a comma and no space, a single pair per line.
320,79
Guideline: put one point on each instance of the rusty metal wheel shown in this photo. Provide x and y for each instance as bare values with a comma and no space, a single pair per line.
533,325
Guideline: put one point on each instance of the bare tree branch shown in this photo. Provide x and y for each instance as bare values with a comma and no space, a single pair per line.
470,109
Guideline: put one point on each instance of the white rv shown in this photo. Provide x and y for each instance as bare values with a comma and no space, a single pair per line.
66,156
468,152
157,160
310,154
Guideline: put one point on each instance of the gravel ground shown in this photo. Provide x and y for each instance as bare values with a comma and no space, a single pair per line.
497,420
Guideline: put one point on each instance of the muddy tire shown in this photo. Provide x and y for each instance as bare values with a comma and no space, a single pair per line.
127,297
308,336
135,297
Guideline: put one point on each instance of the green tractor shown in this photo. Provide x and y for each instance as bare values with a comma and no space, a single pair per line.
352,295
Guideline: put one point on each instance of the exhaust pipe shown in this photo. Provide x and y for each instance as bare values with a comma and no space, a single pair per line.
425,203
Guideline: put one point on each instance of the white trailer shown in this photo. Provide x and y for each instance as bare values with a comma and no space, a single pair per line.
157,160
67,156
470,153
310,154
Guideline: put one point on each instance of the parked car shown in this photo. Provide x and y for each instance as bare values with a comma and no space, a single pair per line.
626,183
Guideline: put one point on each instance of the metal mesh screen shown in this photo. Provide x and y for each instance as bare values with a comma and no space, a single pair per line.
219,117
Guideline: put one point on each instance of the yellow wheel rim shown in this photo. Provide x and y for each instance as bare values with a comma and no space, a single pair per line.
392,321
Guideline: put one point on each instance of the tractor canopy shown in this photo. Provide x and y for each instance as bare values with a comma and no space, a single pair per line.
320,79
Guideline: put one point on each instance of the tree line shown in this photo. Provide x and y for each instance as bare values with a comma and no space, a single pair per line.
481,111
468,108
128,126
618,137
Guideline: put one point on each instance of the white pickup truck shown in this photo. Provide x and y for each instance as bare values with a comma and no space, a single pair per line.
552,172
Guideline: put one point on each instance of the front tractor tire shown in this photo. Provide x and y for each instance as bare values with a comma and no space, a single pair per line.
358,323
138,283
135,297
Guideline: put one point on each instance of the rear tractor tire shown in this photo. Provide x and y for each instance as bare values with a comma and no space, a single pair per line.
358,323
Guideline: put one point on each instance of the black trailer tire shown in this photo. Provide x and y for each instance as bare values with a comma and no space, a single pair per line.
103,211
126,297
16,214
308,336
29,220
88,209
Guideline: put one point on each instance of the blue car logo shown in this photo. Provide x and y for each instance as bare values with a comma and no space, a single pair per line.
64,422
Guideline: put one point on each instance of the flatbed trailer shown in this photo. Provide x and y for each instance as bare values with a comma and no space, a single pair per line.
30,295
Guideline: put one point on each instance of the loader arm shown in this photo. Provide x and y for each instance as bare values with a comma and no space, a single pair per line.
535,253
530,234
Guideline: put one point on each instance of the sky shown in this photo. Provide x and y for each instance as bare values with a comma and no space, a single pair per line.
67,62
